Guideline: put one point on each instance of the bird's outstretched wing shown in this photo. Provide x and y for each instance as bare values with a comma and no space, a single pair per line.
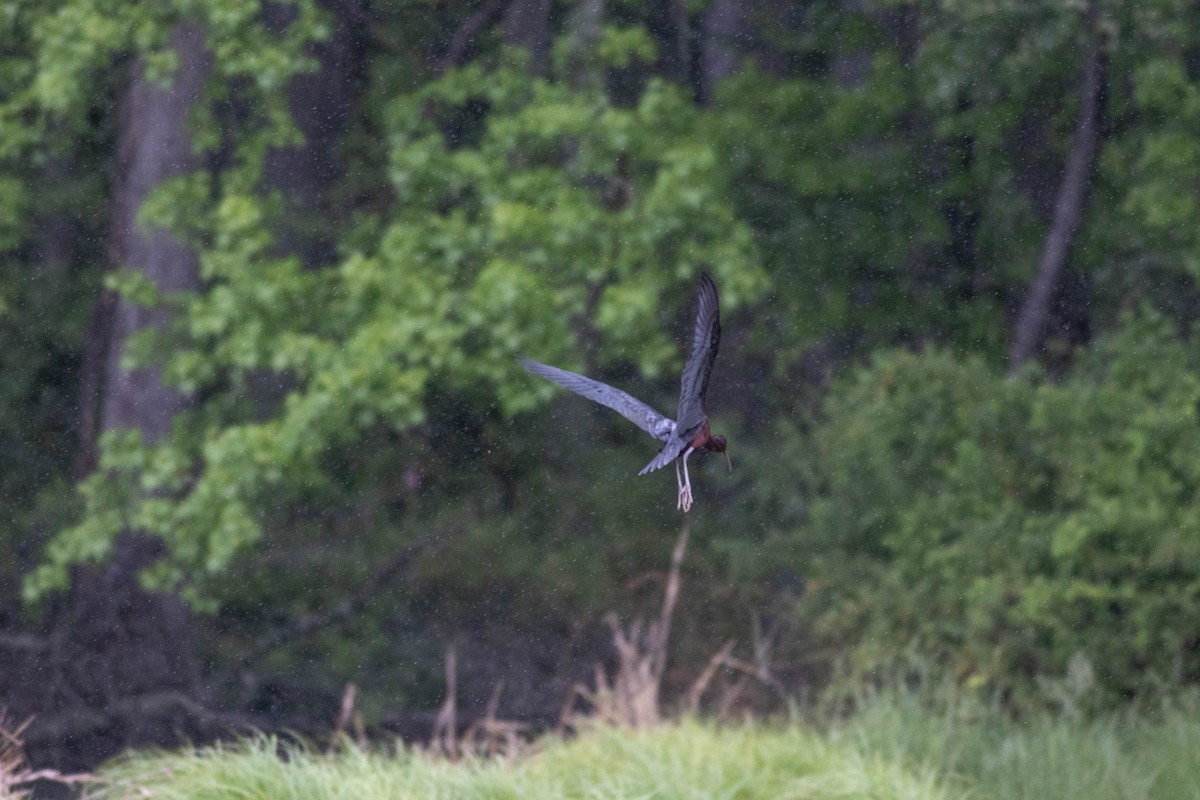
706,338
629,407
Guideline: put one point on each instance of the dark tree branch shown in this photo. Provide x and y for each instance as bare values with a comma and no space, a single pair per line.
462,43
1068,207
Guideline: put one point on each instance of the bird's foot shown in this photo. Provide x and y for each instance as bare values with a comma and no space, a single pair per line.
685,498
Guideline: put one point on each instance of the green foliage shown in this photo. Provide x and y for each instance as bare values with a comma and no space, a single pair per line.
1162,196
817,169
884,186
60,66
70,49
1003,527
519,205
900,183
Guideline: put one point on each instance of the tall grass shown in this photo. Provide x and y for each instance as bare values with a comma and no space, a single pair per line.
688,760
1129,755
895,745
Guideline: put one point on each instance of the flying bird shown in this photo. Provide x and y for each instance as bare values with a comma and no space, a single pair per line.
688,432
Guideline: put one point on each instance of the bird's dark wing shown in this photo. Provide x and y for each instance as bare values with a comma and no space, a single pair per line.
669,453
627,406
705,340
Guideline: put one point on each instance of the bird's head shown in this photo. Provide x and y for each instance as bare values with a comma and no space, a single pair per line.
717,445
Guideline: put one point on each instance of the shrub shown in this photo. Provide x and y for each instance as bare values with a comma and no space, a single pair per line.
1008,529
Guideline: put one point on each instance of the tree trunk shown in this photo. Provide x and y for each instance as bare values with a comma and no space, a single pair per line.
527,25
109,643
722,45
1030,331
152,146
321,103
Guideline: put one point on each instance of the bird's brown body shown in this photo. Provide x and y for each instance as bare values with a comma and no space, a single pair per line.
705,439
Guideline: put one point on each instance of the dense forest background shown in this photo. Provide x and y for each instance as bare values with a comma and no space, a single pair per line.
265,270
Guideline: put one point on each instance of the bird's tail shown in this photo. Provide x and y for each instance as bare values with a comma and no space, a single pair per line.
665,456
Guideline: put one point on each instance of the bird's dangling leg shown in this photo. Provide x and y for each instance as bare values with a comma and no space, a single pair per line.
678,485
685,491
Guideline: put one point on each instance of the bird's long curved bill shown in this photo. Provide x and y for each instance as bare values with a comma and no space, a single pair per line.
729,461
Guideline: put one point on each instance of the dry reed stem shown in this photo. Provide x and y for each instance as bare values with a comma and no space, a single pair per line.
16,779
491,736
348,715
445,727
718,660
631,697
